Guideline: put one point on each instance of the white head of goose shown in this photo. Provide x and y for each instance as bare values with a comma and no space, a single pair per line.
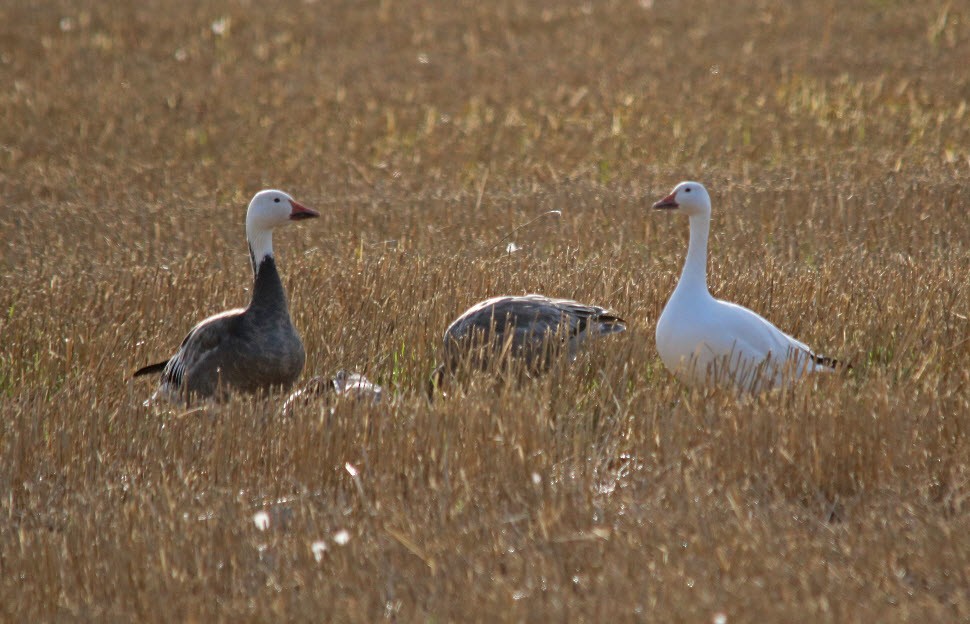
250,349
706,341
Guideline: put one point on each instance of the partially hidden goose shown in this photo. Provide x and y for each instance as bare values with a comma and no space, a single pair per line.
353,386
527,327
706,341
251,349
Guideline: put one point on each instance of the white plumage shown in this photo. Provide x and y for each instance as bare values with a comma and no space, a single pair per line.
705,341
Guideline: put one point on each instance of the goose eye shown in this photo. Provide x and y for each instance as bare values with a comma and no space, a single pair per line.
277,200
687,190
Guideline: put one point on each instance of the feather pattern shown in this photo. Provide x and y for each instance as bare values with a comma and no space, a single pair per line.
249,349
530,327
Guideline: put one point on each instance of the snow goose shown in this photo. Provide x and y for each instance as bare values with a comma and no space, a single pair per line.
250,349
526,327
703,340
344,384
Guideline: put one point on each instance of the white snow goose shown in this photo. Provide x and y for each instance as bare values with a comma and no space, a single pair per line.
251,349
705,341
531,328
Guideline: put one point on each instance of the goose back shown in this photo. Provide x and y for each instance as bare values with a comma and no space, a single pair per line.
530,327
353,386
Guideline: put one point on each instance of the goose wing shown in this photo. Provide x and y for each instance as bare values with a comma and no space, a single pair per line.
583,319
759,338
528,321
198,359
353,386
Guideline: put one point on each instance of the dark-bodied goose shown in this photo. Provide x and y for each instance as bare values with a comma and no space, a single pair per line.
528,327
705,341
251,349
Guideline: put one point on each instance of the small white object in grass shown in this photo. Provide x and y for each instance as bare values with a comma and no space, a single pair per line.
536,478
423,58
261,520
221,26
341,537
512,248
719,618
319,548
67,24
350,469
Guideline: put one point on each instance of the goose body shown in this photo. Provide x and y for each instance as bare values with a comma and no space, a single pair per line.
706,341
251,349
528,327
343,384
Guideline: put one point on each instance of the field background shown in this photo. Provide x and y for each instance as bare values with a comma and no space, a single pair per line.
835,140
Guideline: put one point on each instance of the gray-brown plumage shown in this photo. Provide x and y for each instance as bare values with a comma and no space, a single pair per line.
251,349
531,328
344,384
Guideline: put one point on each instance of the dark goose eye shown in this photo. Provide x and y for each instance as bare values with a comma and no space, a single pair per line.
687,190
277,200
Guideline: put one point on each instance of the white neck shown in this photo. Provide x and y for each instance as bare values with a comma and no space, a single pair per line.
694,276
260,244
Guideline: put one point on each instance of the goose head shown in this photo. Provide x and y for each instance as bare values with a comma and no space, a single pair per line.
690,198
270,208
267,210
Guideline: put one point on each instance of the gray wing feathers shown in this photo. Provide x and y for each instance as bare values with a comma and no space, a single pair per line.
233,350
193,367
528,324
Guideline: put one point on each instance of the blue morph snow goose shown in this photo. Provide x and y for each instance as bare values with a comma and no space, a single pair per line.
706,341
528,327
251,349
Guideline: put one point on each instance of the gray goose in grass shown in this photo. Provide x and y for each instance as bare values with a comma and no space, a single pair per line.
531,328
251,349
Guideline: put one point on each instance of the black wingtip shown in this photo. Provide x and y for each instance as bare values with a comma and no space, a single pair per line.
151,369
613,322
830,362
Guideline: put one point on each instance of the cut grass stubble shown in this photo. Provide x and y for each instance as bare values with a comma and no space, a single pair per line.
134,135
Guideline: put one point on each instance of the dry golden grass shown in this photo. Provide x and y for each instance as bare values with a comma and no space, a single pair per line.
834,140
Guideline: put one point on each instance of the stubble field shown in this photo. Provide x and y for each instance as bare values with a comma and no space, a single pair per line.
834,140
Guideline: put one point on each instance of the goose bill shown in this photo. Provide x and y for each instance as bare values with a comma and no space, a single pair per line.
301,212
667,203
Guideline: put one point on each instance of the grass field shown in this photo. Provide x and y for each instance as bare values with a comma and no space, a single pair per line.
834,137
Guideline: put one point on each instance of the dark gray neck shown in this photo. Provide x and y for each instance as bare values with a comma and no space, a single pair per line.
268,294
